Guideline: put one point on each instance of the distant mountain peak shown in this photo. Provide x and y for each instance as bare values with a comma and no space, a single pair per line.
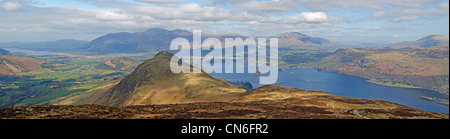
297,40
298,33
435,37
164,54
292,34
160,30
156,30
428,41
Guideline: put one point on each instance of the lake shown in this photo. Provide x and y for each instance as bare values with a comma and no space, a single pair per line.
29,52
347,86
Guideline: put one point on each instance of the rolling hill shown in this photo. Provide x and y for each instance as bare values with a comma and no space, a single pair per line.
154,83
429,41
118,63
11,65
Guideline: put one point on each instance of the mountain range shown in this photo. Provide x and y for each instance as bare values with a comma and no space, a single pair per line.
429,41
157,39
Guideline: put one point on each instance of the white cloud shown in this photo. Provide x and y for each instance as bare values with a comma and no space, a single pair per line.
112,15
444,5
274,6
406,18
11,6
412,14
8,29
161,1
187,11
372,4
313,16
247,17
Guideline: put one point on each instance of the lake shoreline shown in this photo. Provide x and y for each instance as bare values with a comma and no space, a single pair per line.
439,101
348,86
368,79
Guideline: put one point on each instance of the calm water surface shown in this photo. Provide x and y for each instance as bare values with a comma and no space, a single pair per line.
348,86
30,52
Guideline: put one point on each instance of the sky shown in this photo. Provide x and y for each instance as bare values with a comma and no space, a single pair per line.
369,21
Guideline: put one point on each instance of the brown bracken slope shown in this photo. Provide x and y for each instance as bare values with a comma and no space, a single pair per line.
11,65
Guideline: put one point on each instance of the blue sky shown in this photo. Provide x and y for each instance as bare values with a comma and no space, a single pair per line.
380,21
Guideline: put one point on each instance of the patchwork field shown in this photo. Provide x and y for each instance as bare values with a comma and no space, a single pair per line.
60,77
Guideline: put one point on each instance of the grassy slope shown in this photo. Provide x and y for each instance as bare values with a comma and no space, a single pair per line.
62,77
